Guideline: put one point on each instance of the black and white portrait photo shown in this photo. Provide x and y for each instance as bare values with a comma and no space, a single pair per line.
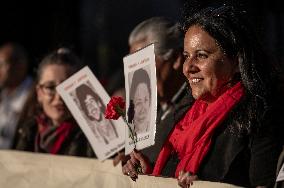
140,98
86,99
93,109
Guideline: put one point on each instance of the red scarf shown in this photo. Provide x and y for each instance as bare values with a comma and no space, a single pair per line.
191,137
49,138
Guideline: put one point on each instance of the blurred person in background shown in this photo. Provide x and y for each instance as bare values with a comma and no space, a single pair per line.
167,37
15,84
47,126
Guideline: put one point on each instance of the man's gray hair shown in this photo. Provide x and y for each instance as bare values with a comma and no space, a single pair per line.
164,33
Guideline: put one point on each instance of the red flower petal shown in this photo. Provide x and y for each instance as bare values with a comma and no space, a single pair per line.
114,108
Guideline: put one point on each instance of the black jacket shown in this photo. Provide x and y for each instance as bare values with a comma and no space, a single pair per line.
243,152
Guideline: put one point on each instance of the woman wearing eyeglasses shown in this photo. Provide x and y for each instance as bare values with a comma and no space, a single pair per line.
48,126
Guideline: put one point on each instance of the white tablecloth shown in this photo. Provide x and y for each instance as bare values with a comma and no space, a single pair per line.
30,170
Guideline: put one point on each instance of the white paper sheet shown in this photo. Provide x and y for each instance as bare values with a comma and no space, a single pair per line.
86,99
141,91
280,176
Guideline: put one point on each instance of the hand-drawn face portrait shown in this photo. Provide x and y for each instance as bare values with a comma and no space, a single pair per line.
93,108
140,96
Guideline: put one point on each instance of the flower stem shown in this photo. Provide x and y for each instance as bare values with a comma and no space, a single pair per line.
132,135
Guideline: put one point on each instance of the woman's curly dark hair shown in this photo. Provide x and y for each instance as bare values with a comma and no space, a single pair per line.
231,30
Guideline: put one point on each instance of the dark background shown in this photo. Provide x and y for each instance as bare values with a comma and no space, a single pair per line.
97,30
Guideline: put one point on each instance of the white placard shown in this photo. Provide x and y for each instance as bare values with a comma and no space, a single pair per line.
86,99
280,176
141,93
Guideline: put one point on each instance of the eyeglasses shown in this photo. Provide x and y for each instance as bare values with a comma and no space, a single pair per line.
48,89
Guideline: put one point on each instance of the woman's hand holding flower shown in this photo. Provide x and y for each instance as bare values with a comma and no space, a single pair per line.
137,159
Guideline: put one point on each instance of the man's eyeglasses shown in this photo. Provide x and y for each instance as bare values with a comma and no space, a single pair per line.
48,89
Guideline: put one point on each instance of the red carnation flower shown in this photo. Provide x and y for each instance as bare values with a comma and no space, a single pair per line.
115,108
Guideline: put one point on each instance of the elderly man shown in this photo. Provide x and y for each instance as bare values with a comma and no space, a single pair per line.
171,87
14,88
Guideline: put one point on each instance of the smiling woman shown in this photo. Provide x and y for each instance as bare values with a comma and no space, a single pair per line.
49,126
208,70
232,127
